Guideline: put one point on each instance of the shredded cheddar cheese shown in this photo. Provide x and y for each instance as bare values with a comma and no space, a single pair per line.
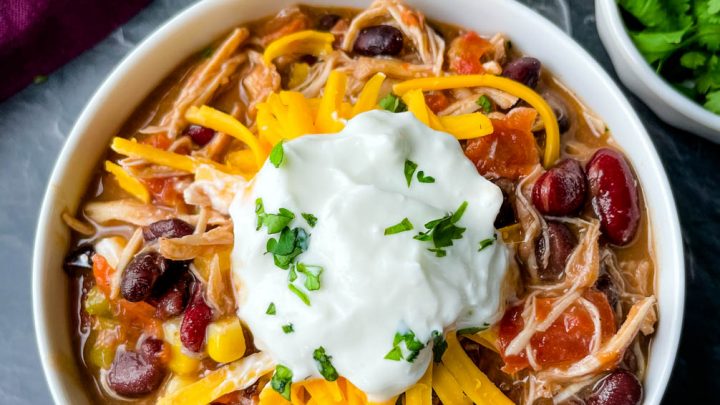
465,126
368,98
474,383
128,182
552,133
421,392
226,123
328,115
447,388
308,42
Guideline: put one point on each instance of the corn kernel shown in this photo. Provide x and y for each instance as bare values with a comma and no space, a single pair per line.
180,363
225,340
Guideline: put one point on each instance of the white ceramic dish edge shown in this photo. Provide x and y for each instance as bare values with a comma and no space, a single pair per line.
669,104
155,57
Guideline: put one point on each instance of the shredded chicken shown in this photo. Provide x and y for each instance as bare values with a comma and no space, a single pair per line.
77,225
219,289
190,246
531,221
428,44
318,75
137,213
205,80
260,81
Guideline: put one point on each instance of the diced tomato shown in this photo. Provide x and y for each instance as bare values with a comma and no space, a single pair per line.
163,191
139,317
510,151
102,272
158,140
437,101
567,340
466,52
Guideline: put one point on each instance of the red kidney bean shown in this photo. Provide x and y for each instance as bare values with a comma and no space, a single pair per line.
379,40
132,374
141,274
167,228
195,322
619,388
199,134
562,242
525,70
327,21
79,259
561,190
614,195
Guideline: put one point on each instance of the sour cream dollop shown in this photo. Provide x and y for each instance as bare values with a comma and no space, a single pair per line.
372,285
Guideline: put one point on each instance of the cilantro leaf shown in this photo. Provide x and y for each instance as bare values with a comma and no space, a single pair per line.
486,242
484,103
303,297
281,381
409,170
656,46
422,178
392,103
713,102
324,365
310,219
288,328
312,275
290,244
277,154
404,225
693,59
271,309
395,354
443,231
649,12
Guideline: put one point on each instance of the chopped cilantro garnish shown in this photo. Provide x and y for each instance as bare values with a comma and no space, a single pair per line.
412,344
441,232
281,381
310,218
422,178
312,275
395,354
271,309
486,242
392,103
303,297
439,345
277,154
290,244
324,365
404,225
288,328
274,222
409,170
484,103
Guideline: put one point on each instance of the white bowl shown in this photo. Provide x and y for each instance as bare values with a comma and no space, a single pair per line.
669,104
158,55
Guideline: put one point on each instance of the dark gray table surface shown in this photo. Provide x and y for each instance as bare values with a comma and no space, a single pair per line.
35,122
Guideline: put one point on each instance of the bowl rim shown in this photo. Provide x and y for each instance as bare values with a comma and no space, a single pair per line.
61,170
609,12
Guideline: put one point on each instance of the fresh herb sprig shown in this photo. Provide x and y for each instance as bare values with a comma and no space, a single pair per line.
281,381
402,226
411,343
324,365
392,103
681,40
441,232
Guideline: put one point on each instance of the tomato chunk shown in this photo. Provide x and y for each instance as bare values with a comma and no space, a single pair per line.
567,340
102,272
466,52
437,101
158,140
510,151
164,191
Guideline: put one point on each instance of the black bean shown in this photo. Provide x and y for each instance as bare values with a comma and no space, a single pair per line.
506,215
379,40
327,21
619,388
174,298
141,274
525,70
561,245
79,259
167,228
132,375
151,350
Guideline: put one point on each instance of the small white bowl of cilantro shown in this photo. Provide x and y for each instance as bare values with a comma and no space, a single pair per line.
668,53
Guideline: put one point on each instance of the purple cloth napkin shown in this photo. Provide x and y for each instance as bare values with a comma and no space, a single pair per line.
38,36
